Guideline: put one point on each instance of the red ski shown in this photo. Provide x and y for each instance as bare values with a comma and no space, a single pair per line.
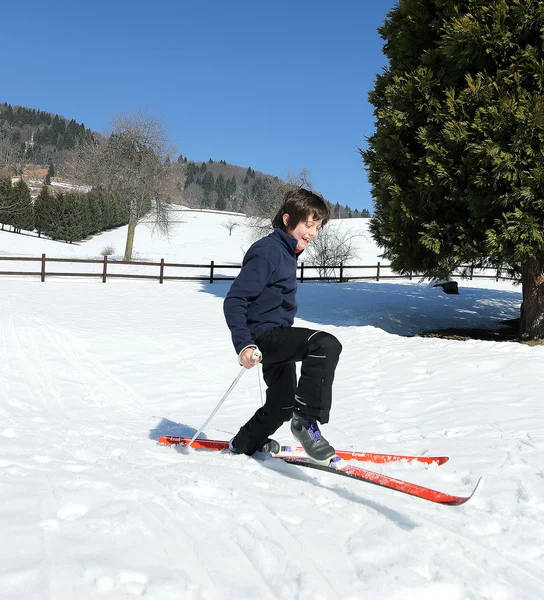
340,467
298,452
399,485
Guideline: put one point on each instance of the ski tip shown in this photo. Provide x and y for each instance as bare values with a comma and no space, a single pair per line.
476,486
462,499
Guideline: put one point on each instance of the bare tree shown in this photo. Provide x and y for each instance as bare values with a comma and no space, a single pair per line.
262,210
193,195
230,225
331,248
133,159
11,156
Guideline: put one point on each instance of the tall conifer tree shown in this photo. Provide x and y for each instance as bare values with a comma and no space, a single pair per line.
456,162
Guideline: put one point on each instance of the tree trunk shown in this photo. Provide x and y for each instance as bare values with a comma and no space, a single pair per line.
130,237
532,307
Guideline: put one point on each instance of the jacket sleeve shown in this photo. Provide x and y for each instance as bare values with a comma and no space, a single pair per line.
256,273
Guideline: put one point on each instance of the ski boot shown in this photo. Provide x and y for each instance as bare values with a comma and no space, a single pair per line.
306,431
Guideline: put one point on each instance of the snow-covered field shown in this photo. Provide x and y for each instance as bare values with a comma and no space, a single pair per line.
91,374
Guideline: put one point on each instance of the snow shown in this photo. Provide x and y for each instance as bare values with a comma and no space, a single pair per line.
92,507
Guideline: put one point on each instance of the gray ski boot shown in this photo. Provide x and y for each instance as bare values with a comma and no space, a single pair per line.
306,431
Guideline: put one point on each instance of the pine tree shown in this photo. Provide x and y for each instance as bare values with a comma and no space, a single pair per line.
23,209
66,218
42,211
221,189
208,183
231,186
6,200
456,162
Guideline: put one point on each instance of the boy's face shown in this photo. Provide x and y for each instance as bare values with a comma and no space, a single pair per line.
305,231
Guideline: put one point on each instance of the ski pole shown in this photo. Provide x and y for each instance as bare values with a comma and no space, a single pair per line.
256,354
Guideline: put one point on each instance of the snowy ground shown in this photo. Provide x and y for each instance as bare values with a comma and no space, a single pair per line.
91,507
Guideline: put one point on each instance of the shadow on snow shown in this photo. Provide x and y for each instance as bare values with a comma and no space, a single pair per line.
405,309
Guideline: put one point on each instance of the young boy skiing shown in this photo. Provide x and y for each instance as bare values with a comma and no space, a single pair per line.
260,308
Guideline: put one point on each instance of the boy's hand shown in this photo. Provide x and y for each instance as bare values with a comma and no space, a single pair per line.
250,357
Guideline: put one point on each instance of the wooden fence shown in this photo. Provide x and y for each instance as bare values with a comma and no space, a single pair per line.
340,273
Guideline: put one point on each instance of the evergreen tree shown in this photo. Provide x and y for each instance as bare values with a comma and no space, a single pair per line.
221,188
258,190
208,182
190,175
66,218
23,209
51,170
42,211
365,213
456,163
6,200
231,186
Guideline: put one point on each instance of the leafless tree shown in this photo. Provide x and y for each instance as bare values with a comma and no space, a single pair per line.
230,225
331,248
11,156
261,211
192,195
133,159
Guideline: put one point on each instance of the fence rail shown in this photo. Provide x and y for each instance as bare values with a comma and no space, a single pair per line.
341,273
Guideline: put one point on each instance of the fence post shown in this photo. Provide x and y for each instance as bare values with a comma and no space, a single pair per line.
471,271
43,268
341,271
211,271
378,272
301,272
105,268
161,275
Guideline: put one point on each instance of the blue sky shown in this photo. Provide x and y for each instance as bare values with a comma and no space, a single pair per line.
276,86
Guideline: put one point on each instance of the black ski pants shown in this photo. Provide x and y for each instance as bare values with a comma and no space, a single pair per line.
312,395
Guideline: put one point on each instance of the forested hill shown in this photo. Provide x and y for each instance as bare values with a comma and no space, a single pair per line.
40,137
30,138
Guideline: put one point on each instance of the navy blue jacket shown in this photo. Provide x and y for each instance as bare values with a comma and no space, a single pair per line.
263,295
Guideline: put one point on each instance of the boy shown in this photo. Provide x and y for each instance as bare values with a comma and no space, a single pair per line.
260,308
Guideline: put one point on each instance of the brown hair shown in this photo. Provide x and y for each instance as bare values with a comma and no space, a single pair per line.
301,205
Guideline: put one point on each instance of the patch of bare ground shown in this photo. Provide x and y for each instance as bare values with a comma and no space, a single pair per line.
508,333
